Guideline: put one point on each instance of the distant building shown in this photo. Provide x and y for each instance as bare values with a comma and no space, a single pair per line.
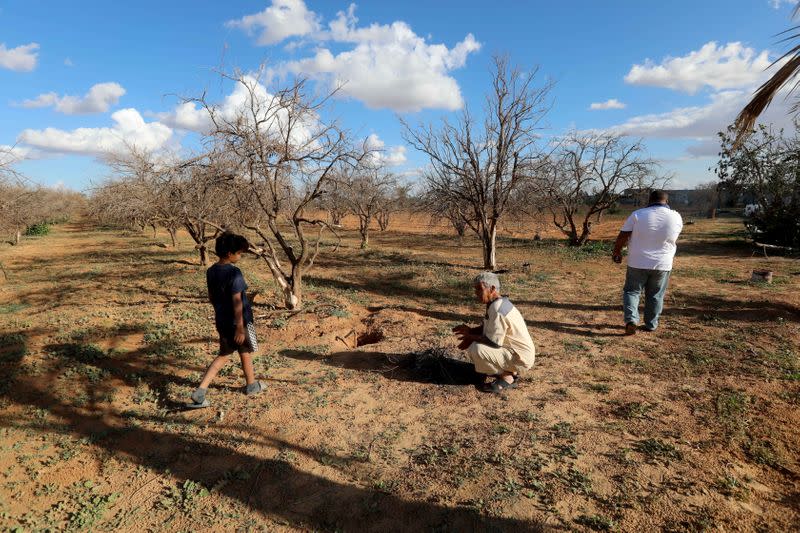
698,199
677,197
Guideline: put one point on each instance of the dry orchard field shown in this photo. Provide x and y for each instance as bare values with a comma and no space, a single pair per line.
105,333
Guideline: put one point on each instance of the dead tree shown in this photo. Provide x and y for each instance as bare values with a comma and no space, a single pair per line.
203,193
19,198
285,152
366,191
396,200
457,213
480,164
333,203
587,175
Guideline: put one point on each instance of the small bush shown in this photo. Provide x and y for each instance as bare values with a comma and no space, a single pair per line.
37,230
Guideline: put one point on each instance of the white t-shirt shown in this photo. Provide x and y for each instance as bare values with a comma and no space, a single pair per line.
654,232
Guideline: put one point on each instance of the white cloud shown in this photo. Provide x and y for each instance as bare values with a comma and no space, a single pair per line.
22,58
388,67
777,4
129,129
99,99
186,116
68,62
394,156
613,103
731,66
190,116
281,20
10,155
702,123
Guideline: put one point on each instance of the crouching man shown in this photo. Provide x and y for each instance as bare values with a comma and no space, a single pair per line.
502,347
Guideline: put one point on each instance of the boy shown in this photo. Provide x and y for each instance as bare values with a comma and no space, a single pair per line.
233,316
502,346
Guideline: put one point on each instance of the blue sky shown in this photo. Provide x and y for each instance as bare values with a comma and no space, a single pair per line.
76,77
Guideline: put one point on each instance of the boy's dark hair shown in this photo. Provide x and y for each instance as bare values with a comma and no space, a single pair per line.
230,243
658,196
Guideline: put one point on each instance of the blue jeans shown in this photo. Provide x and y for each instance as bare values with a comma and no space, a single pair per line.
654,283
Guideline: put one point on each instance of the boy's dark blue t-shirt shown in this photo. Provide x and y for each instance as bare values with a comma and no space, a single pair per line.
223,282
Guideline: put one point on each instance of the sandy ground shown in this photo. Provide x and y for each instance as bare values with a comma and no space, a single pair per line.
105,333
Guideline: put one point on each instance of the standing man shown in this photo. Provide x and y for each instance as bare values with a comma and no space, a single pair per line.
650,234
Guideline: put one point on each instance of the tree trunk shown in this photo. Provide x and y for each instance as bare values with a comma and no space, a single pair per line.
291,288
383,221
154,230
488,239
17,236
586,230
172,236
203,254
294,296
363,228
572,234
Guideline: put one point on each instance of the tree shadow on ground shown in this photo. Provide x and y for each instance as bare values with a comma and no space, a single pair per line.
716,247
571,306
584,330
694,306
277,488
703,306
392,285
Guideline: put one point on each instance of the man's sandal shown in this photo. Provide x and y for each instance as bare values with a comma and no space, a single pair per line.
499,385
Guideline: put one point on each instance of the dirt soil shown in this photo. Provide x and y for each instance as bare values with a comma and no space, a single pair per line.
365,426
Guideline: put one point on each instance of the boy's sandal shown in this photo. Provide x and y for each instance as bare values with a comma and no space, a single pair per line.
195,405
257,387
499,385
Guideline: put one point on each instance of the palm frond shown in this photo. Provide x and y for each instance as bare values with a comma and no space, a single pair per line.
746,120
747,117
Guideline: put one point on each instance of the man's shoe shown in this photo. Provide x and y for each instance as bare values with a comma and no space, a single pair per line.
630,328
648,329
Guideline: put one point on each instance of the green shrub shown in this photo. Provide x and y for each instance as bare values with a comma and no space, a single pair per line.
37,230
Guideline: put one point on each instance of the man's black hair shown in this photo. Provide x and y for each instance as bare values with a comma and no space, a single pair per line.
658,197
230,243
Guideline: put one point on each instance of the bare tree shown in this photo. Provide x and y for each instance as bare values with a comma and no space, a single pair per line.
285,152
457,212
22,202
480,164
202,188
367,191
587,175
707,197
333,203
395,200
163,190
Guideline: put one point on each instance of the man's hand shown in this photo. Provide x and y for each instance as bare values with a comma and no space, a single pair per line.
462,330
465,343
619,244
239,337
